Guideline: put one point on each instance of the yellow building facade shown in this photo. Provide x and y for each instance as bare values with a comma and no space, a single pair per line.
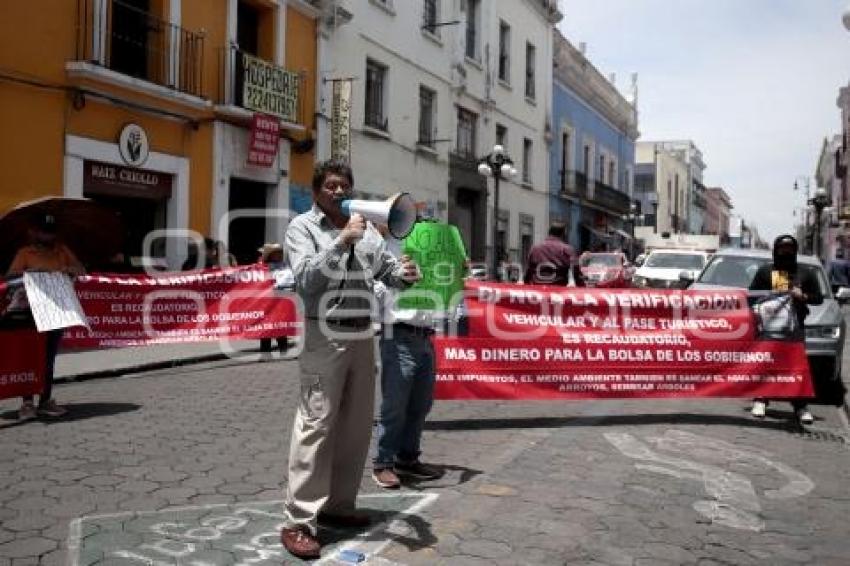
147,106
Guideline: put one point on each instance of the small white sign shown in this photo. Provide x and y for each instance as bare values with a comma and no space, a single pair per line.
133,145
53,301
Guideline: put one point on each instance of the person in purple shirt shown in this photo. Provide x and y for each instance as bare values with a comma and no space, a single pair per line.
549,262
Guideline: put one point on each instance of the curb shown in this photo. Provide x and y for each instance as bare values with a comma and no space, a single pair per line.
158,365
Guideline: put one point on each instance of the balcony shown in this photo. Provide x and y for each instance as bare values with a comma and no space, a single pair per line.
251,84
117,36
611,198
573,184
844,212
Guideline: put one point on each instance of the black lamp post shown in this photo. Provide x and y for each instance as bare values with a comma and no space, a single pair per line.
819,202
632,217
498,165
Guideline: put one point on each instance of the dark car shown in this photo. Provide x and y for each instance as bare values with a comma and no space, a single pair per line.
825,325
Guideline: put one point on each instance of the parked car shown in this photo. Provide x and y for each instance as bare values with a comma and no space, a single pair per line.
670,268
610,269
825,326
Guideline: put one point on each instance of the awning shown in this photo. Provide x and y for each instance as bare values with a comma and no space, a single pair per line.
598,233
625,235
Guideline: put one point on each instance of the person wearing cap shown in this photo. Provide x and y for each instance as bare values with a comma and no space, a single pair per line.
336,261
271,254
783,275
45,253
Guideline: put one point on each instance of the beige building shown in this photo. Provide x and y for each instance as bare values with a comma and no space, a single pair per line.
667,172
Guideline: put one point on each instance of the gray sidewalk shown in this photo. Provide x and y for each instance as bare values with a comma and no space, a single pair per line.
87,364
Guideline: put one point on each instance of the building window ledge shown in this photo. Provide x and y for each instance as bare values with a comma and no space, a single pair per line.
505,84
385,5
427,150
530,100
375,132
83,70
243,117
527,185
474,62
433,37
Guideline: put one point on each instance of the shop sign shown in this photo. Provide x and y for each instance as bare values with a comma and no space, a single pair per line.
133,145
341,120
265,137
117,180
269,89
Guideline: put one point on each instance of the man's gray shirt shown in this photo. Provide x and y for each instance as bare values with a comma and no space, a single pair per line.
332,284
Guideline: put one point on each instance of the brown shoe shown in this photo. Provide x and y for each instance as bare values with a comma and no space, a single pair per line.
386,478
300,543
347,521
52,409
27,411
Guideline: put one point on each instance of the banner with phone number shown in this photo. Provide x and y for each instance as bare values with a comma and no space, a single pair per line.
230,304
530,342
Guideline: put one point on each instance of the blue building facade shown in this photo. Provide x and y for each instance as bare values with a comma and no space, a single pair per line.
592,154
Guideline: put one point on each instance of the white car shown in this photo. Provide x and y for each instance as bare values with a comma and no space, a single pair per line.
670,269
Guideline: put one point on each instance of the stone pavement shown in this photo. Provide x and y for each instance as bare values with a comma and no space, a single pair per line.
638,482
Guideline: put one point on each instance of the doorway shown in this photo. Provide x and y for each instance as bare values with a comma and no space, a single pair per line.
139,216
130,37
246,233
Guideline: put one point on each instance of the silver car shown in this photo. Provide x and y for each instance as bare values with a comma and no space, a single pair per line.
825,326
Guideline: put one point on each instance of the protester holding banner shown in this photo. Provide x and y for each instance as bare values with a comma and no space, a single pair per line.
549,262
336,261
407,355
783,276
45,253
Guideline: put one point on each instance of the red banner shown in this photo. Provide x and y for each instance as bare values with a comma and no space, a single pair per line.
210,305
529,342
23,363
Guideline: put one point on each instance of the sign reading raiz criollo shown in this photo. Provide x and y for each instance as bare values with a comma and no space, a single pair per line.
269,89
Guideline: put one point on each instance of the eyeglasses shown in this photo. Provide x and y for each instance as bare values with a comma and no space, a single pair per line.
335,186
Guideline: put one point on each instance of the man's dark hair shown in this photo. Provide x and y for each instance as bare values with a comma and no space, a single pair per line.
557,229
331,167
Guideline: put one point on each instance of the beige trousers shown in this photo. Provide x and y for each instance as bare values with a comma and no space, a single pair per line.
333,425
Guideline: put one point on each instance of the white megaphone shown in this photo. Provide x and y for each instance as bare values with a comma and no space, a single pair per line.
398,212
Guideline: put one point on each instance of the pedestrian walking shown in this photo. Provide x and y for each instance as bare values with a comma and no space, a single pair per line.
550,261
408,370
782,275
45,253
839,271
335,261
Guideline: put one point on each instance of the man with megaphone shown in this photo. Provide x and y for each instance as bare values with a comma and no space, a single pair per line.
336,255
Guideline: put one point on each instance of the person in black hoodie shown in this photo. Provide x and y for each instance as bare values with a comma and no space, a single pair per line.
780,276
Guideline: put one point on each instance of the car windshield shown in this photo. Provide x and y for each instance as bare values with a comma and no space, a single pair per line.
675,261
600,260
739,271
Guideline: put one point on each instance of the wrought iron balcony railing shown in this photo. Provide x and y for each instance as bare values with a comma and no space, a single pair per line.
120,37
611,198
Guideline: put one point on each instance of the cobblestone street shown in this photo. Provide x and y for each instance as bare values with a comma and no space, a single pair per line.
187,465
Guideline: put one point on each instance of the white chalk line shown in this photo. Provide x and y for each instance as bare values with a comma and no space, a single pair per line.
425,499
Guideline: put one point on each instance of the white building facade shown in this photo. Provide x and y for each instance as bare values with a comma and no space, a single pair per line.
435,84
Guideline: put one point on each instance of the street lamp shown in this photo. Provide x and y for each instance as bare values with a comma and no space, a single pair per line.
498,165
819,202
632,217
